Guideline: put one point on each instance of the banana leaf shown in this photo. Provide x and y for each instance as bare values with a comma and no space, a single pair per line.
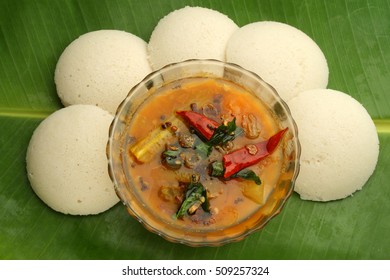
355,37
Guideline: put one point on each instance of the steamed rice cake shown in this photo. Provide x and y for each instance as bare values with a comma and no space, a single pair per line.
281,54
340,145
66,161
100,67
190,33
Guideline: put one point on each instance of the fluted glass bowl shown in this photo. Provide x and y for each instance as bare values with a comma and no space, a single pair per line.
120,162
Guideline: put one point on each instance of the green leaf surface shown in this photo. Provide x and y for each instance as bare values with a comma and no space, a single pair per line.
355,37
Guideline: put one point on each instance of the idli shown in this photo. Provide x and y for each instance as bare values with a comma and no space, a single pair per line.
190,33
281,54
100,67
340,145
67,164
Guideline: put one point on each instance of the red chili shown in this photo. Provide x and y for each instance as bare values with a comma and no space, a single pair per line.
250,154
200,123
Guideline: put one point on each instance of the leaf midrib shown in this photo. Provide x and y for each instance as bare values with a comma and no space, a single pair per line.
382,125
24,113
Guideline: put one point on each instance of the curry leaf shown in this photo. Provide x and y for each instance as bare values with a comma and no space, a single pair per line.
203,149
225,133
196,195
217,169
248,174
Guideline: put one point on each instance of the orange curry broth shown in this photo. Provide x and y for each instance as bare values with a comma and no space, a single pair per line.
229,206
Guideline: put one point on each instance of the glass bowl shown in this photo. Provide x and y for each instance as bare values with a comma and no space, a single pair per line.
127,185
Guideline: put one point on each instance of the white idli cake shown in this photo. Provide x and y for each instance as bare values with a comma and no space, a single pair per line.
340,145
100,67
281,54
67,164
190,33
